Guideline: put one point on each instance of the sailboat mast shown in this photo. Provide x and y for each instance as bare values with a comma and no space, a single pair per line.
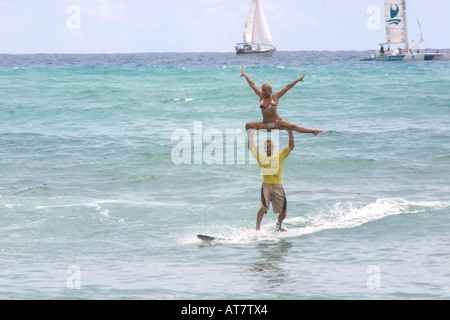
406,26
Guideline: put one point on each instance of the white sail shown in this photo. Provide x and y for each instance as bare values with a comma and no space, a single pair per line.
248,29
256,30
396,25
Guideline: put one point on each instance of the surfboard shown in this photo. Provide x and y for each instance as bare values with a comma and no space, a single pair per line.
210,238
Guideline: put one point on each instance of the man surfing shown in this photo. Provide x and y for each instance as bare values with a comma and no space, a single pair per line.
272,189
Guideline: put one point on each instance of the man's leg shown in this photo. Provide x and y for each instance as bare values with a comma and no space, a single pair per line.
281,217
260,216
265,200
280,205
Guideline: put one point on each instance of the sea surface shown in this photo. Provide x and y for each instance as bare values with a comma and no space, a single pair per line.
111,164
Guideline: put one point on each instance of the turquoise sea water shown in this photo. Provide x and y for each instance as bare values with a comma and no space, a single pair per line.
95,204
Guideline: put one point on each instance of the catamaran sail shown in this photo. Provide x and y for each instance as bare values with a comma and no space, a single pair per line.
397,34
396,25
256,33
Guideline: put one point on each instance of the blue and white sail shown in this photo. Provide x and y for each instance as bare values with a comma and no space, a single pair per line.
396,24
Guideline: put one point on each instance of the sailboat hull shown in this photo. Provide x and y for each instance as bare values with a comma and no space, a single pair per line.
256,53
385,58
249,49
410,57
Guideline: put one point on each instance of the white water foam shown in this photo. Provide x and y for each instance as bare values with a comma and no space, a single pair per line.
348,215
338,216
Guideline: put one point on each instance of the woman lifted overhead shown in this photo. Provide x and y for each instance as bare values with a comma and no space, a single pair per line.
268,104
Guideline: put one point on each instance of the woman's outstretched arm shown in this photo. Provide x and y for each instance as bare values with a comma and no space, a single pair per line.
251,83
281,93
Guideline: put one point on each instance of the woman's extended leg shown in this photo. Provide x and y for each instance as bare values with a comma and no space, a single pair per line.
281,124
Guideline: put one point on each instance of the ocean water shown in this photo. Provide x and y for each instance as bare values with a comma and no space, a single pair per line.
110,165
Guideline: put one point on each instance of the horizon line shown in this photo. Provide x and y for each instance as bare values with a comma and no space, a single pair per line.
180,52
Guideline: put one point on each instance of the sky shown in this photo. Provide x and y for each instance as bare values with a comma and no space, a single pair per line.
124,26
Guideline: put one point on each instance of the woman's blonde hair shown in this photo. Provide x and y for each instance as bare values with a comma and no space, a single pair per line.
267,85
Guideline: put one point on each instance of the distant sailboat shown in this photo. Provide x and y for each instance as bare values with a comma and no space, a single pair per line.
397,33
257,38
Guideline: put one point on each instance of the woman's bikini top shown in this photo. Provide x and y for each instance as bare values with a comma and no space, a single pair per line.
272,105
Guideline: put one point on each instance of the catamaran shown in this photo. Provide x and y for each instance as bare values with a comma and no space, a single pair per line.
257,38
397,34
